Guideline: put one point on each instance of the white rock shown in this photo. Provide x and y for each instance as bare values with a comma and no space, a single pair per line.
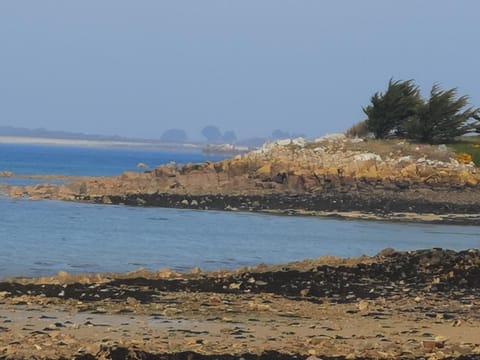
299,142
356,140
283,142
267,147
405,158
367,157
331,137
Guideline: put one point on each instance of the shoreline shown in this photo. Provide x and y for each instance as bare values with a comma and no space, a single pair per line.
409,305
368,205
326,207
360,212
340,178
17,140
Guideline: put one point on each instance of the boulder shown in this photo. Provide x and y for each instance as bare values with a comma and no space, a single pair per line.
367,157
300,141
165,171
331,137
6,174
265,172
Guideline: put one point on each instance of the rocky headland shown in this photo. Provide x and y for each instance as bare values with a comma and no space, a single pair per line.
409,305
332,176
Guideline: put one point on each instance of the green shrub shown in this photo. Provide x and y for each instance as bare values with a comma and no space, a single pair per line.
468,147
359,130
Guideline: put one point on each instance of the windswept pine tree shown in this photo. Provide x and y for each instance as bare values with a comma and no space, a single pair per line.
401,112
442,118
388,111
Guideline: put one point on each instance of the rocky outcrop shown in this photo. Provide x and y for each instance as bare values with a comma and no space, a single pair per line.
363,175
6,174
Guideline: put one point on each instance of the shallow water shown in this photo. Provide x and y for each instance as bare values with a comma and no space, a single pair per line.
83,161
41,238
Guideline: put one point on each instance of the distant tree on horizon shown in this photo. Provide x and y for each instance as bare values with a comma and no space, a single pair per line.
298,135
174,136
229,137
212,134
280,134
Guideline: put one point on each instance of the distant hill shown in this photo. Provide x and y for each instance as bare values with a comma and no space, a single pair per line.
49,134
170,136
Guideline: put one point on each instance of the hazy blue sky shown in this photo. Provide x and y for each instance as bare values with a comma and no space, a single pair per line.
137,68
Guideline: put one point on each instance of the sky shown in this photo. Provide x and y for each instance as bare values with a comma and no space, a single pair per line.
138,68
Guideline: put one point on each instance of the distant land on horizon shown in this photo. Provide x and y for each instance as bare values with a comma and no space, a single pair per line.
41,133
64,135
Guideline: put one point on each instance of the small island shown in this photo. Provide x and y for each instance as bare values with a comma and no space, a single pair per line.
331,176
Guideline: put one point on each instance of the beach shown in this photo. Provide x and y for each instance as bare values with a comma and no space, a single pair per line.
420,304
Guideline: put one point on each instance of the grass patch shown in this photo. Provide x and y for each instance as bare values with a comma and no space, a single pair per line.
394,148
468,146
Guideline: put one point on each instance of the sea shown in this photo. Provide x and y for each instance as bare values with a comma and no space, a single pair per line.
41,238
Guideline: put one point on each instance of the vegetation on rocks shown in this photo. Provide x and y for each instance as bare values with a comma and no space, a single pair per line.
389,111
441,119
401,112
330,174
468,146
358,130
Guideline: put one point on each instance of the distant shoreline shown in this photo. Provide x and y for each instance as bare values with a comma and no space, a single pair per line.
98,143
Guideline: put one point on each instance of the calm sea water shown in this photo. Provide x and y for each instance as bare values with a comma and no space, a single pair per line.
65,160
41,238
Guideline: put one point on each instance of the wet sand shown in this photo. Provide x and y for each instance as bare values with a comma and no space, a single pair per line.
423,304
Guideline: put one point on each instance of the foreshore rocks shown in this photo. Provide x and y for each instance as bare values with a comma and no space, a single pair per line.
389,274
328,175
6,174
410,305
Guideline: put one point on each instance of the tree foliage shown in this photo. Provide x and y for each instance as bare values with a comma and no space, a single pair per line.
280,134
441,118
229,137
174,135
212,134
388,112
401,112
